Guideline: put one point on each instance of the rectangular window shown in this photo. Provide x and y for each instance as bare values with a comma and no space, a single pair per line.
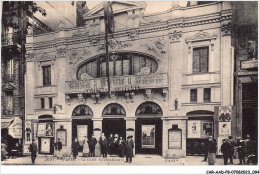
9,102
200,60
207,94
46,75
42,103
193,95
50,102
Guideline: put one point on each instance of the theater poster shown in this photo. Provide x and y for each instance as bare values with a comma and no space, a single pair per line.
194,129
148,136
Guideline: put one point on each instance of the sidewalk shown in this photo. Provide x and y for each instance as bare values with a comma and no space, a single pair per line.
137,160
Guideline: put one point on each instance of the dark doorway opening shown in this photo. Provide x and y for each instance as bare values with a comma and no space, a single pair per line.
114,126
148,136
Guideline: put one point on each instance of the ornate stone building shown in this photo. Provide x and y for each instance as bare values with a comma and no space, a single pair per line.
168,72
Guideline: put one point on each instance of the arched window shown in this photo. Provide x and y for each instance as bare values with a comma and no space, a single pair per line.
114,109
82,110
148,108
120,64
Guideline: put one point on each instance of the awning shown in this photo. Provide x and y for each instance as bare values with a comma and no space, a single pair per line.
15,129
5,123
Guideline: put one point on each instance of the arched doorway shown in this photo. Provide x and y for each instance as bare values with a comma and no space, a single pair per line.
114,120
148,133
82,124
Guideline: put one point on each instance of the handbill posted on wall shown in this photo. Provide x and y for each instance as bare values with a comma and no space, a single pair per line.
194,129
82,131
148,136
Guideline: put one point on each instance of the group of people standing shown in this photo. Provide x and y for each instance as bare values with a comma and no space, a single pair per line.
114,145
243,147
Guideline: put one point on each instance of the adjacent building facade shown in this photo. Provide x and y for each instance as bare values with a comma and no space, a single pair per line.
169,72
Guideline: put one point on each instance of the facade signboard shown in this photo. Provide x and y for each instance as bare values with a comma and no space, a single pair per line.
249,64
194,129
175,139
148,136
119,83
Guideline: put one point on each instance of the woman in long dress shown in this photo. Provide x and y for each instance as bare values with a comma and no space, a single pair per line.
85,147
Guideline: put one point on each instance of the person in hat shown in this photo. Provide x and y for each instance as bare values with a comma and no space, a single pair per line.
225,148
110,144
33,149
129,149
58,148
103,144
241,151
212,149
92,143
231,151
121,144
75,148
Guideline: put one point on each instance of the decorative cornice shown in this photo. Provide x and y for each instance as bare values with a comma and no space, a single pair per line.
226,28
201,36
46,57
61,52
29,57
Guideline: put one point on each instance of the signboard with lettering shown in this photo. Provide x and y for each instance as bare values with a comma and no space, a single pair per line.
249,64
15,129
121,83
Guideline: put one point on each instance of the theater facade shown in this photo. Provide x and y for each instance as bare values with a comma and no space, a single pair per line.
168,73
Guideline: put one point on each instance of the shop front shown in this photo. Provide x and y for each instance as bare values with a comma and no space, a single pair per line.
200,126
148,134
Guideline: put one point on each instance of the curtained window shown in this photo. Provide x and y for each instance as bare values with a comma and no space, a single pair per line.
200,60
46,70
193,95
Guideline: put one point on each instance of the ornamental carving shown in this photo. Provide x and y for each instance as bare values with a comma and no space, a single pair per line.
201,35
46,57
61,52
176,35
133,35
85,76
144,71
78,54
29,57
148,20
148,95
226,28
157,46
114,44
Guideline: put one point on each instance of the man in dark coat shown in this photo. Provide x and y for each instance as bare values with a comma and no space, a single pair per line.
129,149
111,144
121,144
225,149
58,148
92,143
241,151
232,145
103,144
75,148
33,149
212,149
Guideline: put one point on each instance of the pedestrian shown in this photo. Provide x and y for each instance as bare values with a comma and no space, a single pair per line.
58,148
85,147
92,143
75,148
103,144
212,148
115,144
129,149
110,144
121,144
231,152
241,151
33,149
225,149
205,150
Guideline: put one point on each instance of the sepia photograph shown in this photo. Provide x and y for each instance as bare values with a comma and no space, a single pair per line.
126,83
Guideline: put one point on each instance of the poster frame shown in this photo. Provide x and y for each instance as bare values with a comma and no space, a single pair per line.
175,147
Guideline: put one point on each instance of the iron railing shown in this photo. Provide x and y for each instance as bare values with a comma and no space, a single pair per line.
11,39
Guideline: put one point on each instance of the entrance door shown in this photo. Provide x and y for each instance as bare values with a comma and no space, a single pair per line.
114,126
148,136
